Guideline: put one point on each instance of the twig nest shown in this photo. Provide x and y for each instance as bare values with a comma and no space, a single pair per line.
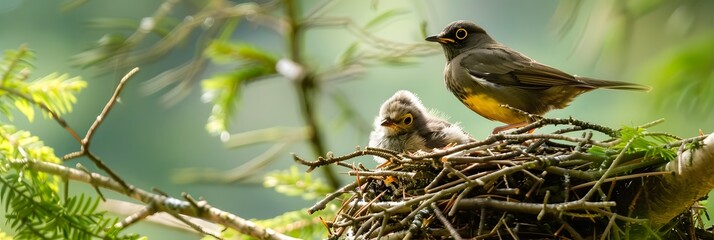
565,185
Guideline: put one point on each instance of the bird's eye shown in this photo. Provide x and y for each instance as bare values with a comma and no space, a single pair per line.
461,34
407,120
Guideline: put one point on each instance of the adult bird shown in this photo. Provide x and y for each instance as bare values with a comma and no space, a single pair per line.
485,74
405,125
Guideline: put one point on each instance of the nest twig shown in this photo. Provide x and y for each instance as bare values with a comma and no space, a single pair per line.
511,185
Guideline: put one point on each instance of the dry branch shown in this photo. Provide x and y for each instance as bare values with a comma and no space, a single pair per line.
155,202
673,194
160,203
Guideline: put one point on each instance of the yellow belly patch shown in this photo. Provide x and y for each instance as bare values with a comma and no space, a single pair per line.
491,108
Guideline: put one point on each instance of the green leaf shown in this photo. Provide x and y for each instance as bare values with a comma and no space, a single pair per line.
55,92
25,108
32,203
598,151
301,224
224,90
643,141
397,61
347,55
682,77
109,46
162,28
225,52
293,182
298,224
13,64
73,4
114,23
33,215
637,8
422,29
5,236
385,16
33,149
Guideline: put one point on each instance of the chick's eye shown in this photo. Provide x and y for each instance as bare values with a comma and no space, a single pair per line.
461,34
407,120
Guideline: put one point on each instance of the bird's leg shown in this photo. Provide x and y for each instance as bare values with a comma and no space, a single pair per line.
510,126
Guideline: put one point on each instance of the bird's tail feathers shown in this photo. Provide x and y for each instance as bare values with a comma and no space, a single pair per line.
614,84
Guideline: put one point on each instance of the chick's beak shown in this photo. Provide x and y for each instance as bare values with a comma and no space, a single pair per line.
439,39
388,123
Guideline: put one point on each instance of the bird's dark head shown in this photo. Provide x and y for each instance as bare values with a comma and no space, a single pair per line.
460,36
400,114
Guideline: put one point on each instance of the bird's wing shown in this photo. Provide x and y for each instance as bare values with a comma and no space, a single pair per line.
503,66
438,133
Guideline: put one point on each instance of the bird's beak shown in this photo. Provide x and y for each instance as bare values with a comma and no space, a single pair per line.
437,38
388,123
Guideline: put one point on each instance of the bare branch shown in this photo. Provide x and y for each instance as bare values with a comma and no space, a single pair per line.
108,107
323,203
84,151
532,208
672,194
162,203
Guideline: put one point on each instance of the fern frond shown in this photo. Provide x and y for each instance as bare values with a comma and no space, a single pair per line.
34,216
294,182
223,52
5,236
55,92
32,148
645,141
224,91
301,224
31,200
15,64
298,224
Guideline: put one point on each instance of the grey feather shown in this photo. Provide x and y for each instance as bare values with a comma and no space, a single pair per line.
425,132
478,65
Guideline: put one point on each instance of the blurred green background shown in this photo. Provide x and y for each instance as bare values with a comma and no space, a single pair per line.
666,44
